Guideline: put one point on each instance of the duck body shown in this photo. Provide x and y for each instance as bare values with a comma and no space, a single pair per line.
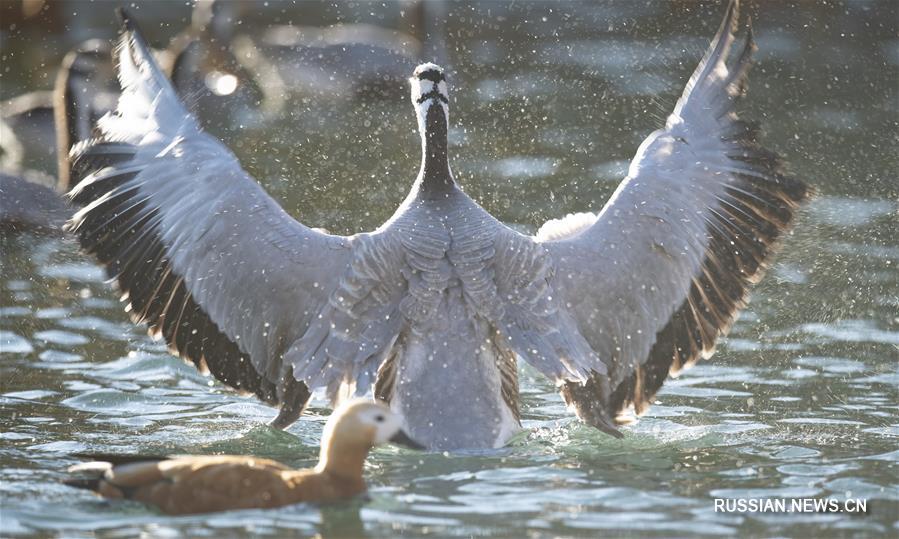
205,484
30,118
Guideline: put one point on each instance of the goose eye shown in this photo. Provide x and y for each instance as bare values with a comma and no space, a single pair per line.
379,418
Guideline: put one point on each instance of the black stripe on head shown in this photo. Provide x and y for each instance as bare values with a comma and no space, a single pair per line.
434,75
433,94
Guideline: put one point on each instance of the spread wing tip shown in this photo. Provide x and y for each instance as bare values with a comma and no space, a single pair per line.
148,101
715,79
133,38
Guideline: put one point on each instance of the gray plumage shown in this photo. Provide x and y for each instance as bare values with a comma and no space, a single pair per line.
432,308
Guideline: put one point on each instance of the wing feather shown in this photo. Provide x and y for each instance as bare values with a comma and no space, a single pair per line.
660,273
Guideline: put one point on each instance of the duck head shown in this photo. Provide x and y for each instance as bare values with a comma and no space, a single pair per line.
353,429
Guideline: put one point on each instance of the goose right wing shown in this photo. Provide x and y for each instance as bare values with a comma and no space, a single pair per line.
203,255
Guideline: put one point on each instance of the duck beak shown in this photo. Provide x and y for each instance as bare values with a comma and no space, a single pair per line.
403,439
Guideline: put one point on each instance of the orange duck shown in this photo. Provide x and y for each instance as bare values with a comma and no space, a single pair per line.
181,485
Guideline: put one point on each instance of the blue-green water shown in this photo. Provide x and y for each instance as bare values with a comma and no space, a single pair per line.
549,102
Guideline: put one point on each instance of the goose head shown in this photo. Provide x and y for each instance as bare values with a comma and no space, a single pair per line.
353,429
431,101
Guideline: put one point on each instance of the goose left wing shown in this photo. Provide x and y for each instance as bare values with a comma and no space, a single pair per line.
659,274
202,254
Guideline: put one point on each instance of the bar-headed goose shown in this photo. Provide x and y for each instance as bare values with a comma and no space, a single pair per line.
40,127
84,83
433,307
82,94
199,60
182,485
217,88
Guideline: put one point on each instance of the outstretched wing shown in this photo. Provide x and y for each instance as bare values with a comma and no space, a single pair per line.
203,255
661,272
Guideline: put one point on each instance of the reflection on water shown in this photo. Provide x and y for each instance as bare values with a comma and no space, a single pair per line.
549,102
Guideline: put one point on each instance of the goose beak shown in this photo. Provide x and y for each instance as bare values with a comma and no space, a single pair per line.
403,439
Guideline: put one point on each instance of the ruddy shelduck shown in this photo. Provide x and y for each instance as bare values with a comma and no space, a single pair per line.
205,484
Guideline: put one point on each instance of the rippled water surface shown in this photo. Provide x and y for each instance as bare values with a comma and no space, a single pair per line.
549,102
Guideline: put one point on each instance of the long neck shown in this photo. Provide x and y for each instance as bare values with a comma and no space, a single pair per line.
435,173
79,78
66,110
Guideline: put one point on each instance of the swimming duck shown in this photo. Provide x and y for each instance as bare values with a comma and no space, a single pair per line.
181,485
433,308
